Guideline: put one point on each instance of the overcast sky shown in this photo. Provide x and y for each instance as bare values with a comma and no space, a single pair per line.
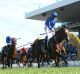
14,24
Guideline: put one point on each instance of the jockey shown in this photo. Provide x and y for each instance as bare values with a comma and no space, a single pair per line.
8,41
49,25
23,50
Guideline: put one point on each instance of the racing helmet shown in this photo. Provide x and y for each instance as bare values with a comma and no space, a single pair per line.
54,14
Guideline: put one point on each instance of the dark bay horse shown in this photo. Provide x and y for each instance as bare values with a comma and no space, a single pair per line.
4,56
38,51
59,36
51,50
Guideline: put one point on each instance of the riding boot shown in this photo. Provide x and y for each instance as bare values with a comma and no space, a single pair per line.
8,48
46,42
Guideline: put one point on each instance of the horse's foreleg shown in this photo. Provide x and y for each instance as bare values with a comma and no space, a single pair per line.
30,60
57,61
8,62
38,60
18,62
43,60
3,62
11,61
63,58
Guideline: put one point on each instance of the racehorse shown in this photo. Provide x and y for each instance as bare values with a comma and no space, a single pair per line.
38,51
54,47
12,53
4,56
24,58
21,57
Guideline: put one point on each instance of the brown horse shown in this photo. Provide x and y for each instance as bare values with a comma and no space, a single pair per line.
24,59
12,52
54,46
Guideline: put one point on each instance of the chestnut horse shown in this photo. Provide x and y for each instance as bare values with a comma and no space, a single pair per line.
12,53
9,54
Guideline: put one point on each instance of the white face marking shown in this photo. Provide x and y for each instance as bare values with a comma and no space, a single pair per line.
66,31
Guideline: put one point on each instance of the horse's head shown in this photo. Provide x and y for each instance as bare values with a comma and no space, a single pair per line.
13,41
62,34
66,32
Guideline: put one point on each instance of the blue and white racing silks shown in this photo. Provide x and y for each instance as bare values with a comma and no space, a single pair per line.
50,23
8,39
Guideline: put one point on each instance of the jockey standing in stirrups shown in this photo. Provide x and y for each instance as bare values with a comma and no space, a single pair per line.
49,25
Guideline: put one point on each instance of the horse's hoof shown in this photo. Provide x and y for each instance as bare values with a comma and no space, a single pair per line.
66,65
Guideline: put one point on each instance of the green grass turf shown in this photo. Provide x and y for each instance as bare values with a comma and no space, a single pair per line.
49,70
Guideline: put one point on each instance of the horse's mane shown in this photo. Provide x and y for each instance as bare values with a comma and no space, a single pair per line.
60,34
59,29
